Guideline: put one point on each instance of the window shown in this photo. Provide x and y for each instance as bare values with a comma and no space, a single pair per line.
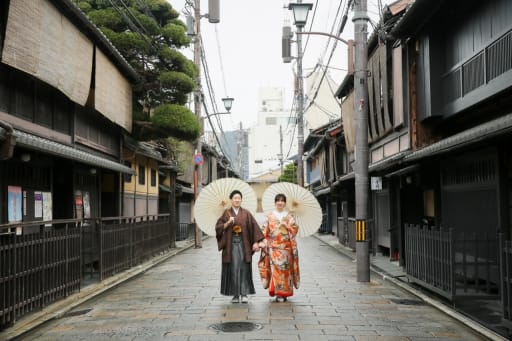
61,117
44,100
4,89
24,100
128,177
142,175
270,121
153,178
428,203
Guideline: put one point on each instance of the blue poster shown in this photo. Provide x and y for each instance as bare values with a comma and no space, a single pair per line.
14,204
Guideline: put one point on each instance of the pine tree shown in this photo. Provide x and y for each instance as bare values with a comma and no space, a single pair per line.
289,173
149,35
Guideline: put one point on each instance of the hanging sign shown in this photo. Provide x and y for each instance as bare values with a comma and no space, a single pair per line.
376,183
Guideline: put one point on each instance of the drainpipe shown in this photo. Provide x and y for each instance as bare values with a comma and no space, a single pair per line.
7,146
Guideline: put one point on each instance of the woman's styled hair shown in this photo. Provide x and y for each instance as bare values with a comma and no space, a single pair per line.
280,196
232,194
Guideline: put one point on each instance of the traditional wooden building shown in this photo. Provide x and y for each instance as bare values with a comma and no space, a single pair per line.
65,101
439,131
141,190
326,161
65,105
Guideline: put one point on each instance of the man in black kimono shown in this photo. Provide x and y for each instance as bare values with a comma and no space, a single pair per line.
238,236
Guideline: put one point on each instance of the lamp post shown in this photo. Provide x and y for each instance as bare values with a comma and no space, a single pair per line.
300,16
213,17
280,155
228,103
360,20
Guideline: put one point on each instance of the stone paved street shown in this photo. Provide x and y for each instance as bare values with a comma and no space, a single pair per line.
179,300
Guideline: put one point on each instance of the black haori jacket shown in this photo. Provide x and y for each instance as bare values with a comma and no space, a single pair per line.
251,233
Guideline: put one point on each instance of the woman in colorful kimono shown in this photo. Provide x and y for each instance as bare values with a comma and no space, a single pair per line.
238,237
280,231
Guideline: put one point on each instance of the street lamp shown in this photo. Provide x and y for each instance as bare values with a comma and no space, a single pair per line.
228,103
300,15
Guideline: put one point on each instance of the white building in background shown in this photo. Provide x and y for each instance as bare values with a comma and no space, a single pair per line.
274,133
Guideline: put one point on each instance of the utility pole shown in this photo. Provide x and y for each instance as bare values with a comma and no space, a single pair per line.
241,152
213,17
300,107
281,149
300,14
360,20
198,168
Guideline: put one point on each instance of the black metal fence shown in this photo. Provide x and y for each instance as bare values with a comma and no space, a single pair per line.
129,241
185,231
49,263
352,233
39,268
506,277
325,226
452,265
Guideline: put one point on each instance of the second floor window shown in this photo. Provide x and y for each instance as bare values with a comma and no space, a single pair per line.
142,175
153,178
270,121
128,177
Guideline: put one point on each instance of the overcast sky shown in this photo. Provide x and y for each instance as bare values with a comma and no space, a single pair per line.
243,51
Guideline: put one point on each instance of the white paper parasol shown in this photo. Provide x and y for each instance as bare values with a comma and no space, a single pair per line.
214,199
299,202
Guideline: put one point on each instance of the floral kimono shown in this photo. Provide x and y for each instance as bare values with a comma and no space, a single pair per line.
279,270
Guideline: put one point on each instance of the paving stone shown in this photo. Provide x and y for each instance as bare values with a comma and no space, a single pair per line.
179,299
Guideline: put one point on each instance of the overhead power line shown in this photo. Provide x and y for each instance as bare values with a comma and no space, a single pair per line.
340,30
211,96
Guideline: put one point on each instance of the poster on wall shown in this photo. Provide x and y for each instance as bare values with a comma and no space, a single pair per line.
47,207
87,205
79,205
38,204
14,204
24,203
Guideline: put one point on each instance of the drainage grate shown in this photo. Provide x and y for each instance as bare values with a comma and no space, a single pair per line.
407,301
77,312
236,327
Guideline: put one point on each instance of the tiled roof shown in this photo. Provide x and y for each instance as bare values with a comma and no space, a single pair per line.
43,145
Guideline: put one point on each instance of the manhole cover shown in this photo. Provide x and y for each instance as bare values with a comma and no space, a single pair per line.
77,312
407,301
236,327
